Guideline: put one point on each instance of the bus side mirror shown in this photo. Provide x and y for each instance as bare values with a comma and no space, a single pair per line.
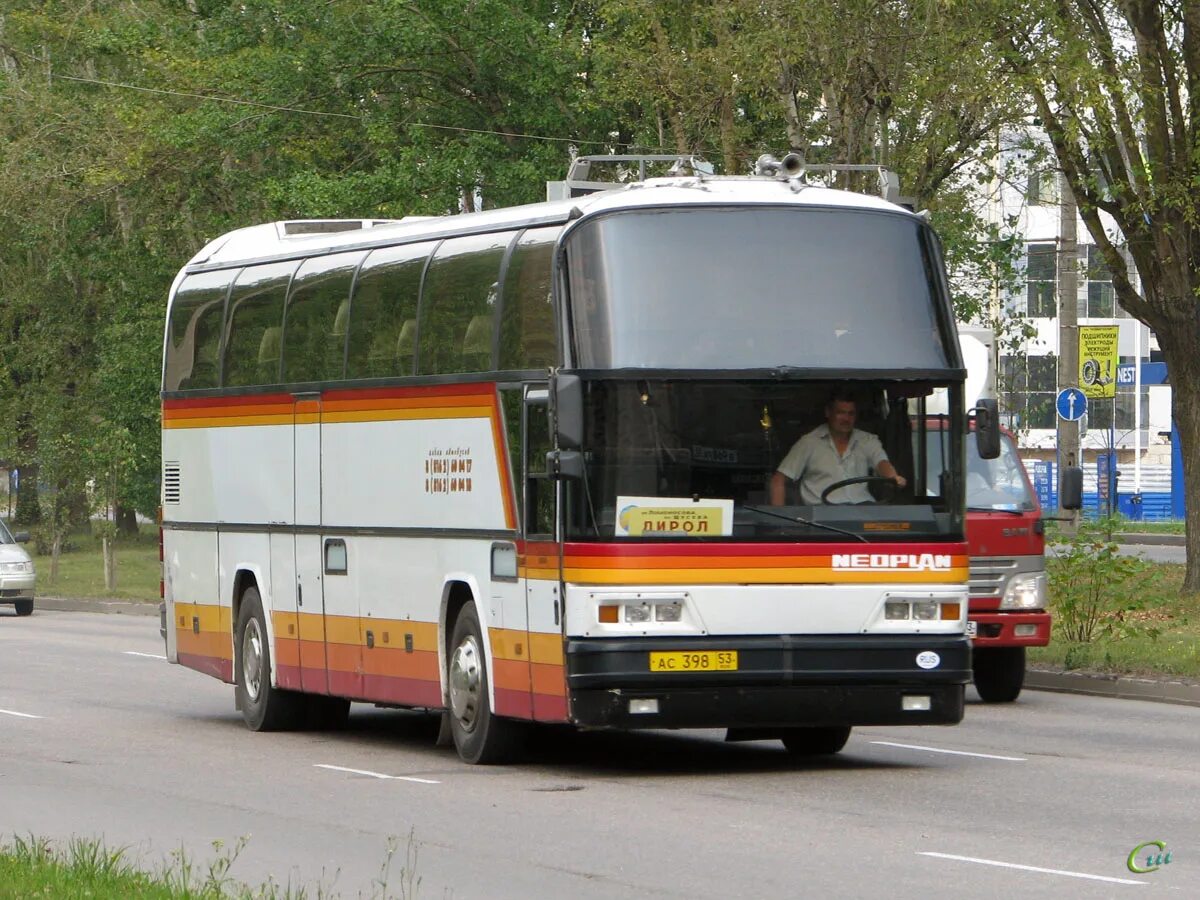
1070,489
568,411
987,429
566,465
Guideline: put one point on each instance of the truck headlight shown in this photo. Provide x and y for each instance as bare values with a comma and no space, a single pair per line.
1025,592
16,568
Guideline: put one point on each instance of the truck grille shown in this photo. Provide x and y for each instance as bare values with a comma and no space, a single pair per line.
990,574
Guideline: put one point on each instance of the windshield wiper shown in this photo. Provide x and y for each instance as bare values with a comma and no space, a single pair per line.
803,521
1011,512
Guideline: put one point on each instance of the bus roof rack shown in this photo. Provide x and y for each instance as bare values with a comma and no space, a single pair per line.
626,169
629,168
305,227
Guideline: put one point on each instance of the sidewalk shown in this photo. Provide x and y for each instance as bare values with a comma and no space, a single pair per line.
1140,537
1125,687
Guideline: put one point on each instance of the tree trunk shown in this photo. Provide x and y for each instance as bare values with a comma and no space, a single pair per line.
55,553
126,518
1179,347
110,565
28,511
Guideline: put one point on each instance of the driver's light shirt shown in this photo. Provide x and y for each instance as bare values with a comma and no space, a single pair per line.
815,462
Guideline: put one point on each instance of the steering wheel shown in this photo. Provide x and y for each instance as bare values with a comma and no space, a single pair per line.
861,479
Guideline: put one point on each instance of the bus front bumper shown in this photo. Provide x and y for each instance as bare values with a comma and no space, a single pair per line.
780,682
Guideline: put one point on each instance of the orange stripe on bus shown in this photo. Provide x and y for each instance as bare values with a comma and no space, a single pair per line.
549,680
760,576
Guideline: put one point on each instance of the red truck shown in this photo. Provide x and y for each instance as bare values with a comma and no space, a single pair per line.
1007,611
1006,542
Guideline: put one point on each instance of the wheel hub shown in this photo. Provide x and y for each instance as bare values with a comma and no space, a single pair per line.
252,659
466,681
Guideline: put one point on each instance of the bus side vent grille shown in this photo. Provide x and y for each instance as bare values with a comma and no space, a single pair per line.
171,483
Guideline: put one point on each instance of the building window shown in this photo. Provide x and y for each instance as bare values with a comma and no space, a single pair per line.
1041,275
1043,188
1028,385
1101,299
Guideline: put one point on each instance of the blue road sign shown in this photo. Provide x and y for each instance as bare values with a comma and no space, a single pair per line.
1071,403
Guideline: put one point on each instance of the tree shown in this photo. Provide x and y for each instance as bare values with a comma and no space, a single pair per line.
1116,86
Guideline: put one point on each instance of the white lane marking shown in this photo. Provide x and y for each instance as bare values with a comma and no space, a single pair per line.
147,655
376,774
19,715
1005,865
951,752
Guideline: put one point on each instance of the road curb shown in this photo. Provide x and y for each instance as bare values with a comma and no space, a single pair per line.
1124,687
80,604
1134,537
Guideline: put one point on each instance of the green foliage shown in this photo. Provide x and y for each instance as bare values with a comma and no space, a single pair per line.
1096,593
407,107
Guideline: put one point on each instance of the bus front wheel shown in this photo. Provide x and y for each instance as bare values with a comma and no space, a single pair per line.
479,736
999,673
264,707
821,741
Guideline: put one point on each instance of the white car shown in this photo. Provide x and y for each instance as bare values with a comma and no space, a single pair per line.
16,571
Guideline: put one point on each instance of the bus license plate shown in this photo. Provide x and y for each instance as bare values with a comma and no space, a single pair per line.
695,661
972,629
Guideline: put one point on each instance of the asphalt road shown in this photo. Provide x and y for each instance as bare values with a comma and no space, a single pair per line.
1042,798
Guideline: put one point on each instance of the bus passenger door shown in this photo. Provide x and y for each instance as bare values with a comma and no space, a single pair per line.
310,598
541,562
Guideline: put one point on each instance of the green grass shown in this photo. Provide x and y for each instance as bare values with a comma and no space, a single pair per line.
35,867
1163,638
81,572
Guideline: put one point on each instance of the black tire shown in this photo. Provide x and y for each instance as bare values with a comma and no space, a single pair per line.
323,713
23,607
822,741
264,707
999,673
479,736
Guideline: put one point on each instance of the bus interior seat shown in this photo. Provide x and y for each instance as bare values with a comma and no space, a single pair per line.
268,354
477,344
341,319
406,346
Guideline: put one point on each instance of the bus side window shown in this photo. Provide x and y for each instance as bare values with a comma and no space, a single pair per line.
194,338
318,311
252,341
511,404
383,314
539,485
527,339
458,305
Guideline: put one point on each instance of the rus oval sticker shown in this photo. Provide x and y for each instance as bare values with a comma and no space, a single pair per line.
928,660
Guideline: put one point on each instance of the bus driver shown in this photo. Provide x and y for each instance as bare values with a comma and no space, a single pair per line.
831,453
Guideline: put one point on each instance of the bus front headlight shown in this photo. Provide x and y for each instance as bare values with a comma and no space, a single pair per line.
1025,592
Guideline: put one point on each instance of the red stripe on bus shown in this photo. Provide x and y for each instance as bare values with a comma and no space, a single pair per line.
549,709
209,665
516,704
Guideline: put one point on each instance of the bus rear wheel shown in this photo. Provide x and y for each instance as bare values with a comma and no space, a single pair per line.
264,707
999,673
821,741
479,736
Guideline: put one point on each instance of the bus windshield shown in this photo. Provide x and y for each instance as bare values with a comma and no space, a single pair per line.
754,288
694,459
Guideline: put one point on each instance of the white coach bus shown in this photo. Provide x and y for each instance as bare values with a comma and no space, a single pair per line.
515,466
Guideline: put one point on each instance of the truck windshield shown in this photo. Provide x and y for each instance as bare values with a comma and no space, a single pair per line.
690,459
992,484
754,288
